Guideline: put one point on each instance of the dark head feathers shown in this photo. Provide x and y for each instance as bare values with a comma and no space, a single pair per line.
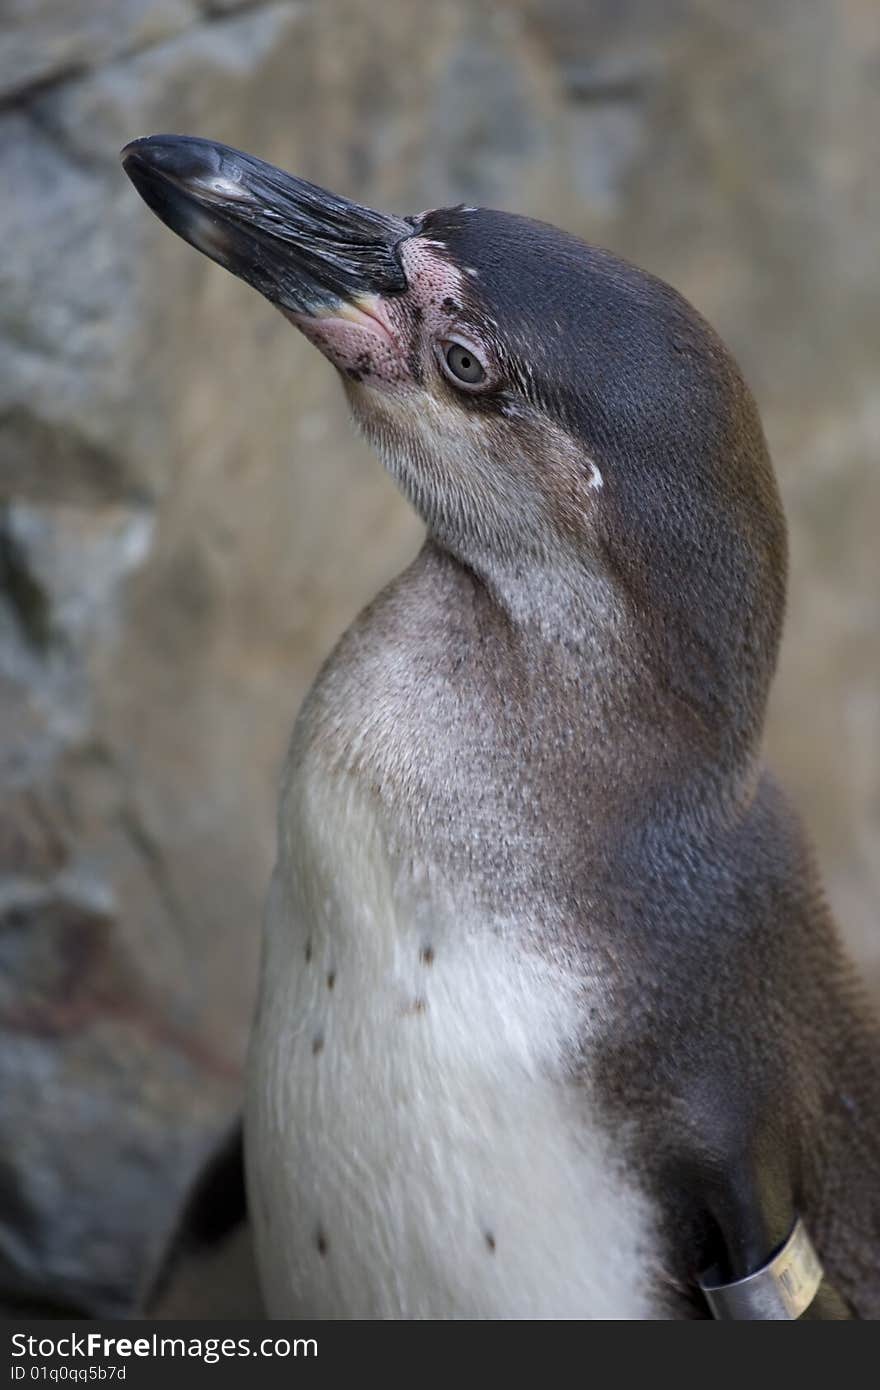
690,519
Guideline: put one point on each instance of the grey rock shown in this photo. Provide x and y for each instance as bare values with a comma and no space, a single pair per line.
44,40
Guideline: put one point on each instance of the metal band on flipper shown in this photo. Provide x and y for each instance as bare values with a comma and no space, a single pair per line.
782,1289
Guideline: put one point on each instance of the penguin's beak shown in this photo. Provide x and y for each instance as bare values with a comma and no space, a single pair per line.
308,251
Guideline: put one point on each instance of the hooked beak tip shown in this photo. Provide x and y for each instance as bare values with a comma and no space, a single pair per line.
299,245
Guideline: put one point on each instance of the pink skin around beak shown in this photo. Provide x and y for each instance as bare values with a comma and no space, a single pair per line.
378,340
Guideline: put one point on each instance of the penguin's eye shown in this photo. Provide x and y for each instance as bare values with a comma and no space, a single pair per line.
461,364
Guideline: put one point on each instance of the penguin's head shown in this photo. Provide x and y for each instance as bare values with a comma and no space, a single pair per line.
544,404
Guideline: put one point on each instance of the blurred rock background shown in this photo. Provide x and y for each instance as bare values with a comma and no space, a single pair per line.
188,522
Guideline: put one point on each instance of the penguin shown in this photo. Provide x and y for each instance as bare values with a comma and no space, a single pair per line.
554,1021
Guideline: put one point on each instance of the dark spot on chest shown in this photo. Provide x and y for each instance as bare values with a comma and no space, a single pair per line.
331,979
317,1045
308,952
426,955
490,1241
321,1241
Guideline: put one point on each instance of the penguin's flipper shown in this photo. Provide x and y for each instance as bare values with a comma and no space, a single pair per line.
213,1213
217,1202
766,1294
764,1265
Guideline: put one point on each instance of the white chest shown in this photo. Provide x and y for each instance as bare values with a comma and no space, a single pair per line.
417,1148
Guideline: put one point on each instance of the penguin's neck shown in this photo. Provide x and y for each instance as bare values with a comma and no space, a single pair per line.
560,601
564,617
